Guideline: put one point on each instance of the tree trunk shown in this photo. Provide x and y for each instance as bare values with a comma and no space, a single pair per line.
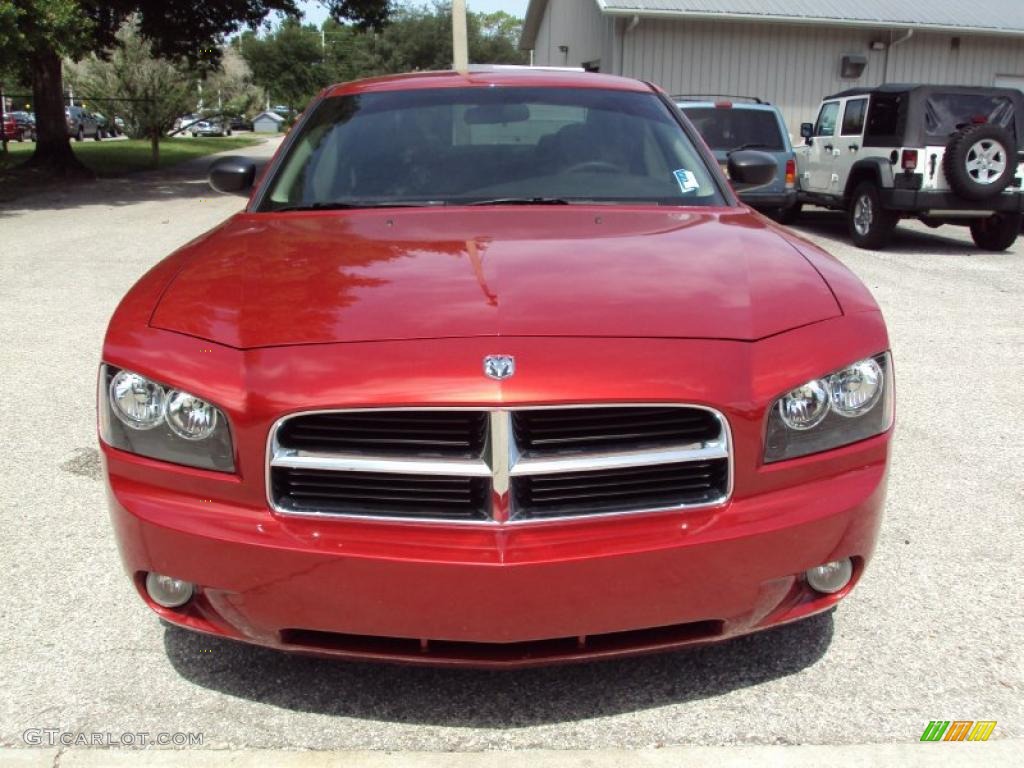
154,147
53,150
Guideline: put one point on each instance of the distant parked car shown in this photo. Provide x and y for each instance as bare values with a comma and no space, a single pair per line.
26,122
214,126
109,126
185,122
731,123
11,130
239,123
82,123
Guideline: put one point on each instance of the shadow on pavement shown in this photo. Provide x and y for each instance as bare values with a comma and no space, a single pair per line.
502,699
946,240
187,180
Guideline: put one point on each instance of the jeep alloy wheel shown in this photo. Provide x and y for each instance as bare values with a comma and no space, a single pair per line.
870,223
986,161
863,215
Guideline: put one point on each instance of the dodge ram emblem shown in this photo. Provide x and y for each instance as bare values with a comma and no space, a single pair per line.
499,366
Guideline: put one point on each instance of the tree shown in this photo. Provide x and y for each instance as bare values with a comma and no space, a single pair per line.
43,32
231,87
150,92
288,63
419,38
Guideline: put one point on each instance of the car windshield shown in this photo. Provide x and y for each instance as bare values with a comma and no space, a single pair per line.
491,146
728,128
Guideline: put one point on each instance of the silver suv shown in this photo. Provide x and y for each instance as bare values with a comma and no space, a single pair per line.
941,154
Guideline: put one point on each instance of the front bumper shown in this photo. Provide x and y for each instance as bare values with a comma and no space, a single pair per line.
437,594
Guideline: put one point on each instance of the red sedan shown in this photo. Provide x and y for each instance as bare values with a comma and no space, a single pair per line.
11,130
494,369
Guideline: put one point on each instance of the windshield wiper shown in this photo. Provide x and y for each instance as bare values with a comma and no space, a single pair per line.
751,145
347,206
518,201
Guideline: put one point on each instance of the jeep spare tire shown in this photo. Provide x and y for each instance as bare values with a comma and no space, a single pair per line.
980,161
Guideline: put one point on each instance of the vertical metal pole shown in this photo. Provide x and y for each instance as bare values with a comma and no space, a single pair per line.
3,108
460,38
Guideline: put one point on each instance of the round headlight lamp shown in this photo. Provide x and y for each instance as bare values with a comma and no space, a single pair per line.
189,417
137,401
806,406
856,389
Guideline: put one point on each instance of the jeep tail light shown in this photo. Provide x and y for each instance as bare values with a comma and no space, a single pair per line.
791,172
723,104
909,159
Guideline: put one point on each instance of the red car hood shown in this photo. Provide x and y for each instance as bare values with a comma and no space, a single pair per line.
276,279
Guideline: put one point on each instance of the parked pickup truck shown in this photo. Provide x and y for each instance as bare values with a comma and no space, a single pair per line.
941,154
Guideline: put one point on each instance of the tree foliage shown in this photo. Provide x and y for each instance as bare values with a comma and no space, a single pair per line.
38,34
148,92
294,62
288,64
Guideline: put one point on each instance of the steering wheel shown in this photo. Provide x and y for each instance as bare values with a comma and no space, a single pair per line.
594,166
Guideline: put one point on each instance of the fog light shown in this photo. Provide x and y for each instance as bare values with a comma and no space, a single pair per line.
167,591
830,577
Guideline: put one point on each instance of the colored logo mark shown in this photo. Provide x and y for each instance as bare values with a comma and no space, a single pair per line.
958,730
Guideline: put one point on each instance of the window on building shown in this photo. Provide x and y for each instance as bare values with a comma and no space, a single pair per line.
827,118
853,117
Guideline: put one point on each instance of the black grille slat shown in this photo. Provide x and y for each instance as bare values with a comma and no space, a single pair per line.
440,445
626,489
382,494
457,434
568,429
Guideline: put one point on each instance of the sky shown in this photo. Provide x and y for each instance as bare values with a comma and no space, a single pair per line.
315,12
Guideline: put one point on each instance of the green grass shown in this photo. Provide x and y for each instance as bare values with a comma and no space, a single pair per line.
115,158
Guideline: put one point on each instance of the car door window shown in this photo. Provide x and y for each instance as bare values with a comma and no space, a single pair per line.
853,117
826,125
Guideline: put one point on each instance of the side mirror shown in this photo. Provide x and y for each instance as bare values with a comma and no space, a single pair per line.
232,174
806,130
750,168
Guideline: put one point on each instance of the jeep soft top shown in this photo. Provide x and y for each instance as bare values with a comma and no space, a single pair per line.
932,113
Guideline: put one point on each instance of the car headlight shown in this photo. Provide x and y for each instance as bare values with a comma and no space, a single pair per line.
852,404
143,416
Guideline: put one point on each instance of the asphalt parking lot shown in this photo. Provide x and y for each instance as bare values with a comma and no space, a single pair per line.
933,631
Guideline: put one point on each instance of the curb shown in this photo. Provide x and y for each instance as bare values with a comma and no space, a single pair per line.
995,754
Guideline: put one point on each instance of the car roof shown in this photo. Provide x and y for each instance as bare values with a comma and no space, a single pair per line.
910,87
523,77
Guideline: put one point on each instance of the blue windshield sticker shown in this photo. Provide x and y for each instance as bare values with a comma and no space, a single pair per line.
687,181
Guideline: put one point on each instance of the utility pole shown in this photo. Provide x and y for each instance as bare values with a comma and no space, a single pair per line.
460,40
3,106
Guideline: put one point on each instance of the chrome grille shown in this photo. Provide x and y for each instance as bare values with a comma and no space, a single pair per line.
423,433
610,428
498,466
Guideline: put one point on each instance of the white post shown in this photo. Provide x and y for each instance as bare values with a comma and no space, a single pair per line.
460,40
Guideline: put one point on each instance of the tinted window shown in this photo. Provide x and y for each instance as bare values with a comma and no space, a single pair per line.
826,125
947,113
460,145
884,116
853,117
730,128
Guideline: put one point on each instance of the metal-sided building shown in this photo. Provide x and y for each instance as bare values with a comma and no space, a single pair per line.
790,52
